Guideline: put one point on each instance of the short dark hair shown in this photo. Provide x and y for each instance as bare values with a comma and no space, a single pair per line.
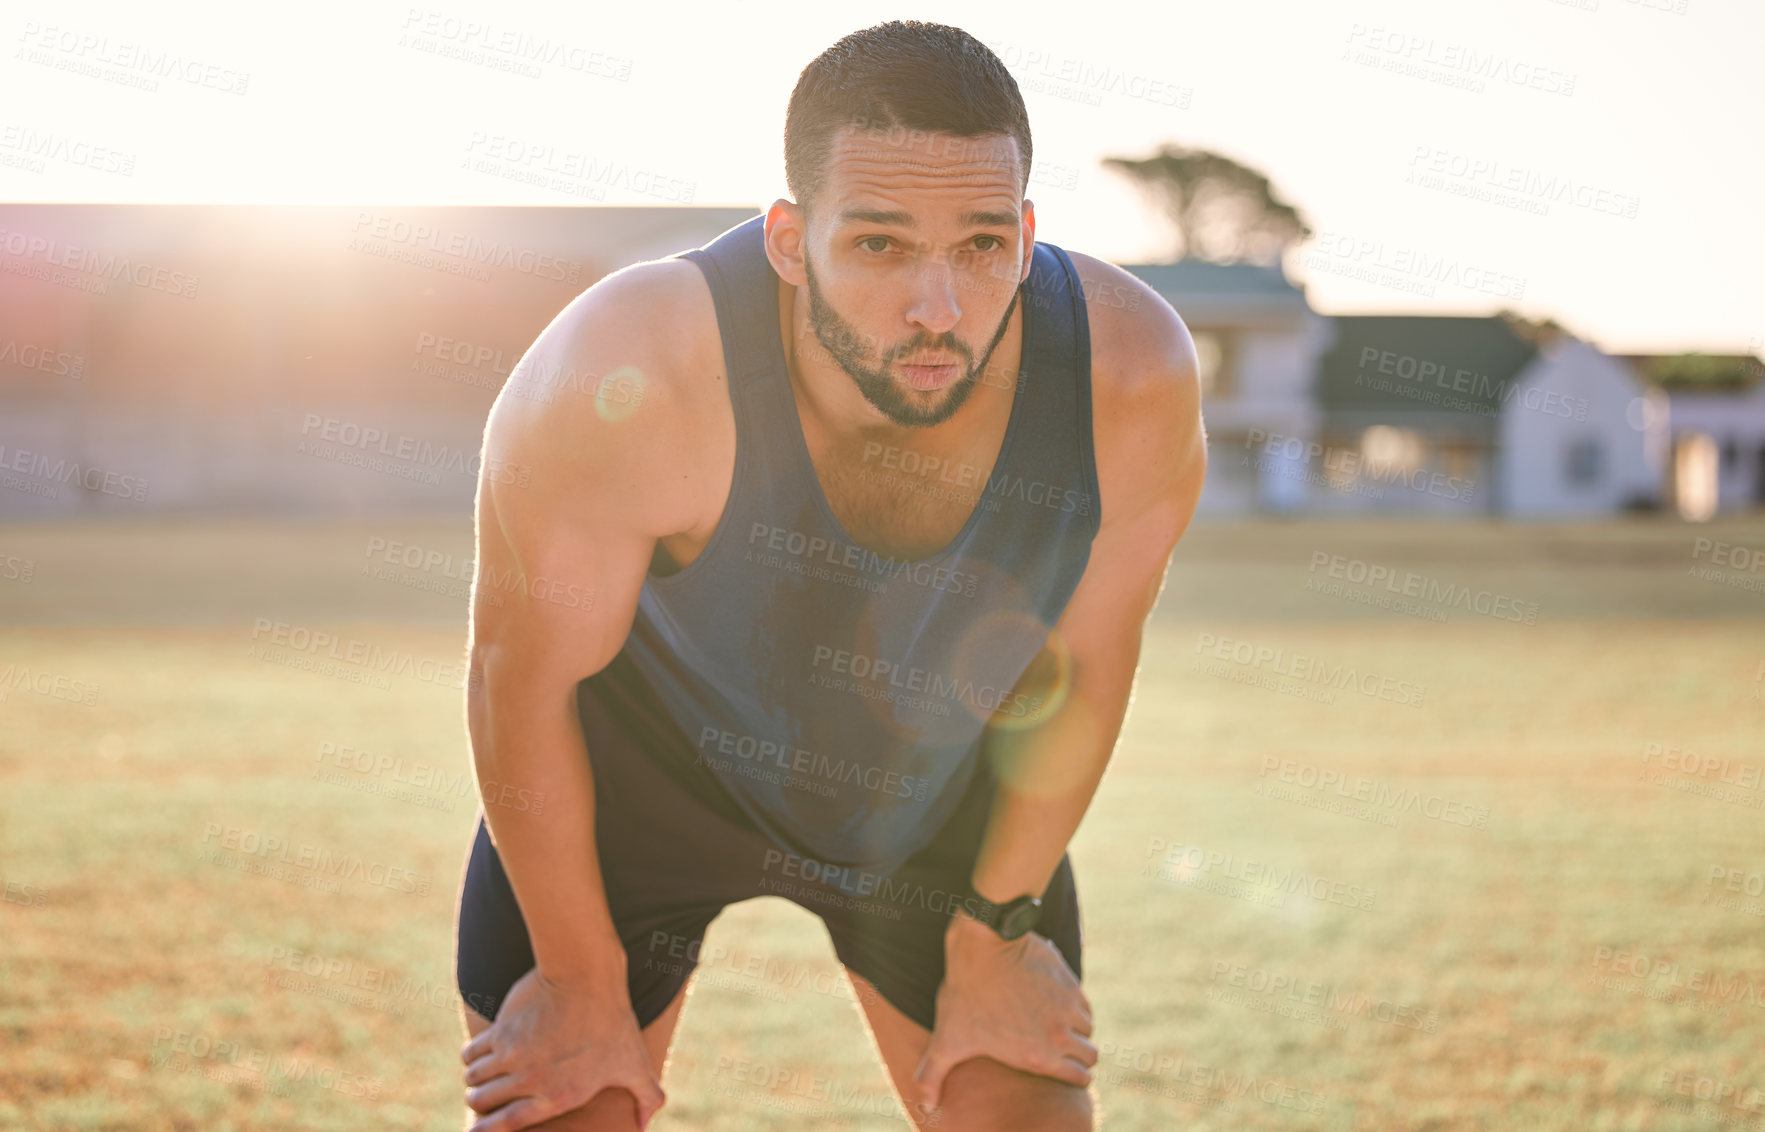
900,75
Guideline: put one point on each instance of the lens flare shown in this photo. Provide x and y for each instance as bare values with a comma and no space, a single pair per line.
619,394
1038,694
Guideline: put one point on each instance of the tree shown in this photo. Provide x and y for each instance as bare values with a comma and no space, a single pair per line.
1223,212
1702,371
1543,333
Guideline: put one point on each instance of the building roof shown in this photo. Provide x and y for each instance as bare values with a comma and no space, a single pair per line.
1224,292
1434,373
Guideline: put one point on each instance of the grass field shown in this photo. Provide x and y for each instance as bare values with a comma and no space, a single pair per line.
1515,913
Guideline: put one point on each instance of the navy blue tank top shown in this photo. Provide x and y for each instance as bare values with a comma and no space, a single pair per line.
840,695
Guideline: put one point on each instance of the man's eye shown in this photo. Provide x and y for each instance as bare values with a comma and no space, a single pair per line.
997,243
866,243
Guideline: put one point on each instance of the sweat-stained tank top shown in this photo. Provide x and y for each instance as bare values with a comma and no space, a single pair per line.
837,694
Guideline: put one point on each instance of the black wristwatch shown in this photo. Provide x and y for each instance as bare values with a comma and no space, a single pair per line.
1010,920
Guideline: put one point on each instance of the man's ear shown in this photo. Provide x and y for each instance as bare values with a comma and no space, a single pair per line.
785,232
1029,237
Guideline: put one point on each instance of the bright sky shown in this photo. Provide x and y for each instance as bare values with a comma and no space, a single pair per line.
1514,194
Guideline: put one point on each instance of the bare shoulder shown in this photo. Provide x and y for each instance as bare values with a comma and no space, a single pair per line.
1145,393
614,408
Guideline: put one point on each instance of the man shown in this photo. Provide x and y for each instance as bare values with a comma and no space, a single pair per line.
869,504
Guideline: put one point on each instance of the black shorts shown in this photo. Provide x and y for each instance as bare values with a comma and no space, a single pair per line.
676,848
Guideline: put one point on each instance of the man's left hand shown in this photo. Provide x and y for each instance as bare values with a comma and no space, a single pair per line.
1016,1002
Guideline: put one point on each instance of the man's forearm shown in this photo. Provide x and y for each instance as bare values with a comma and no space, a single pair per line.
1047,776
526,741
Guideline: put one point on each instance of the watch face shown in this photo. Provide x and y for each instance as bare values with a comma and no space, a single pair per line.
1017,918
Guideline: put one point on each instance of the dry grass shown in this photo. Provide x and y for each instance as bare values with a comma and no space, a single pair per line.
116,934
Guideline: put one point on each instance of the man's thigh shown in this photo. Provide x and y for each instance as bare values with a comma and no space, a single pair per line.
980,1094
610,1110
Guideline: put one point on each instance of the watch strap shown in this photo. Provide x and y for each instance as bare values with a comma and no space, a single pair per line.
997,916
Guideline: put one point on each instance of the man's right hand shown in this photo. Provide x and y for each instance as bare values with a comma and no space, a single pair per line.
552,1048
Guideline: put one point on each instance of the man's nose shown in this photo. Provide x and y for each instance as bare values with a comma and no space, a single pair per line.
934,305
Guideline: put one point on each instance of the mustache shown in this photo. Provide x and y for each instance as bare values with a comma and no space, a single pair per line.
921,344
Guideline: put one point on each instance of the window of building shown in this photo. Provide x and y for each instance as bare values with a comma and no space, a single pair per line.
1341,466
1213,358
1462,460
1386,449
1694,476
1584,461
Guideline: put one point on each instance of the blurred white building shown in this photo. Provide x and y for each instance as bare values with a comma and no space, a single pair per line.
1445,415
1581,436
1258,342
235,358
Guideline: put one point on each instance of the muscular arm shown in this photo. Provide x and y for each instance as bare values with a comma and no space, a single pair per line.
1152,458
561,559
1017,1002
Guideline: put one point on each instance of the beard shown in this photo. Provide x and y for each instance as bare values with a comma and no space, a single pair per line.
847,347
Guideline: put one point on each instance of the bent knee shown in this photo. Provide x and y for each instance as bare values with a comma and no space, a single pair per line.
985,1095
612,1109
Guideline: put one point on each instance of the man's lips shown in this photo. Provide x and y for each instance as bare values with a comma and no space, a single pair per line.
926,377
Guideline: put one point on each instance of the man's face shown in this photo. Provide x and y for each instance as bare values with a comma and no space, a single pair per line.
916,246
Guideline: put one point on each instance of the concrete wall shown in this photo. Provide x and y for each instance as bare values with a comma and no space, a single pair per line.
171,358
